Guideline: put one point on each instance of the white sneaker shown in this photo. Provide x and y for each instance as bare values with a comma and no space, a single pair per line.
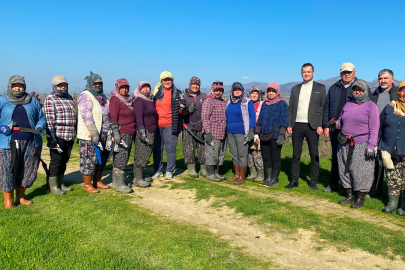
157,175
168,175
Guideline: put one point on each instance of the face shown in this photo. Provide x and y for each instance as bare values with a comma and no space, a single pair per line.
347,76
237,92
271,93
195,87
218,93
62,86
307,73
97,84
401,93
18,87
385,80
145,89
124,89
254,96
167,83
357,91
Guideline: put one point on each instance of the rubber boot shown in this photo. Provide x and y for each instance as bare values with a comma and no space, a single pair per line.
260,176
118,182
253,173
242,175
359,200
274,178
87,186
191,170
20,196
203,170
292,184
267,181
138,178
53,186
349,198
61,185
392,204
211,174
221,177
236,176
8,199
97,180
401,211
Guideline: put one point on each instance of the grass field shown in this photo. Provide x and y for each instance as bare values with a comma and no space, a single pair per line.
110,231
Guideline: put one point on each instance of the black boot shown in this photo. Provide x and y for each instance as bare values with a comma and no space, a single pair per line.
359,201
211,174
349,198
274,178
292,184
401,211
267,172
392,204
221,177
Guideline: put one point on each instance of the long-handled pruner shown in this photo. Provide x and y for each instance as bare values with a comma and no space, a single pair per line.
191,132
29,130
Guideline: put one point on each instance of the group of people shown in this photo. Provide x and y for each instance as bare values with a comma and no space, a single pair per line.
364,128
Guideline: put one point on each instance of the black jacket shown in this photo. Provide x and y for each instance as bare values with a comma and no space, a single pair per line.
315,108
175,104
393,93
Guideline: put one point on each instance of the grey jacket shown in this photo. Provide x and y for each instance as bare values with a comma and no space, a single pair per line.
315,108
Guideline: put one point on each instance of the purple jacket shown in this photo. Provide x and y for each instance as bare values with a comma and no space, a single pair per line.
194,119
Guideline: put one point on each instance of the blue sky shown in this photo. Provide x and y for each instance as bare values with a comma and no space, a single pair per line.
214,40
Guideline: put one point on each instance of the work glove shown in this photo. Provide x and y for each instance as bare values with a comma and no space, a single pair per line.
191,109
332,123
5,130
250,135
116,131
95,137
280,139
370,154
256,138
52,141
182,102
144,138
208,137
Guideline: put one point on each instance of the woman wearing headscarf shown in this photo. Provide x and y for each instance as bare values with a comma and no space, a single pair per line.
20,151
122,125
169,103
214,127
193,124
146,127
272,125
359,123
392,147
61,121
92,128
255,160
240,123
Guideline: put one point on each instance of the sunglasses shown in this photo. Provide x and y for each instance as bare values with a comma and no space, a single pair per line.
218,83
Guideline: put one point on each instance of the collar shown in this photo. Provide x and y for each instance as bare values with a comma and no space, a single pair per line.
350,83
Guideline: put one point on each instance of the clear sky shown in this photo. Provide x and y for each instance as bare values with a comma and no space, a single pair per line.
214,40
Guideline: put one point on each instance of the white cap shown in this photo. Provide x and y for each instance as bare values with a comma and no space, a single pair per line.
347,67
58,79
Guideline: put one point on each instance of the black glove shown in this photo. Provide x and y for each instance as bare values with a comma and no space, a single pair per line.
116,131
143,133
332,123
38,129
370,154
191,109
182,102
251,135
52,141
280,139
208,137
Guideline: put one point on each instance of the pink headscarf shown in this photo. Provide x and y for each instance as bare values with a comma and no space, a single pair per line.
137,92
277,98
126,99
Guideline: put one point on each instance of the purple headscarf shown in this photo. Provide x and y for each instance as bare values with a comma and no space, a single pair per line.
277,98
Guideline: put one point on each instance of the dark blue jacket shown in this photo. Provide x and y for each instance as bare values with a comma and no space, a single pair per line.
272,117
392,131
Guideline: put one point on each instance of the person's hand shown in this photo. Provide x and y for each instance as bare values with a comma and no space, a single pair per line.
289,130
326,133
251,135
52,141
5,130
332,123
208,137
191,109
116,131
280,139
370,154
95,138
256,138
38,129
319,131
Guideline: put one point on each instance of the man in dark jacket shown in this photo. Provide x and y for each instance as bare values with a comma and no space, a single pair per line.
382,96
338,95
305,121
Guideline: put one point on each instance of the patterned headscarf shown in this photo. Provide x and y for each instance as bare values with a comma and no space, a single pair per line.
399,105
16,97
238,98
127,99
193,80
92,79
275,99
137,92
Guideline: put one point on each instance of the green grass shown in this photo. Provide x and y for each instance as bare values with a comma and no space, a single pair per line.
106,231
